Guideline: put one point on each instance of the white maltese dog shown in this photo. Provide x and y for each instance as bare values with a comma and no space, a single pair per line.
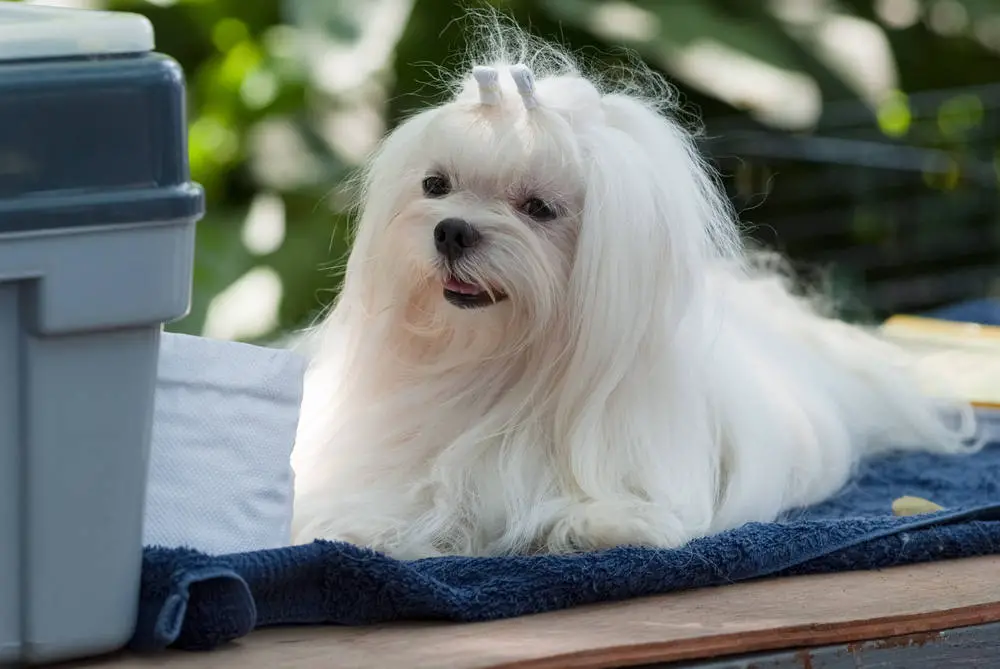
550,338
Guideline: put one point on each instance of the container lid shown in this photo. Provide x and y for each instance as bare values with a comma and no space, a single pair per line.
91,141
33,32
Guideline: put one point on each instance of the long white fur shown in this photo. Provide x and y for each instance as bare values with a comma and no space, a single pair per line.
645,382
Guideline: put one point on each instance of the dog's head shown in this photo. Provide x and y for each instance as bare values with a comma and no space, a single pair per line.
524,208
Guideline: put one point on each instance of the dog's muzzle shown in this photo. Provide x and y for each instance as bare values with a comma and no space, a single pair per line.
454,237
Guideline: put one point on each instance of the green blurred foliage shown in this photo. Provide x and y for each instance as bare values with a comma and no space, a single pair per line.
263,109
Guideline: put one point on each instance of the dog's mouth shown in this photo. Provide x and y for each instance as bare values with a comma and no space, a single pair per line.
469,295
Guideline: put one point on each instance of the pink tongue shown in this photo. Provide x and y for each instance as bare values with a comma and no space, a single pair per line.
456,286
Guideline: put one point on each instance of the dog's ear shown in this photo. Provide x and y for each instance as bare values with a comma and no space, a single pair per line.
381,189
653,220
689,213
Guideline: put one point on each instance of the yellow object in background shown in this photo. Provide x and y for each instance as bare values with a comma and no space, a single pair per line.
960,359
913,506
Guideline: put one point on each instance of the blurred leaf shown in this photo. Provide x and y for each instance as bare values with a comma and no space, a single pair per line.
958,115
229,32
338,20
682,23
894,115
750,29
220,259
944,179
980,9
310,263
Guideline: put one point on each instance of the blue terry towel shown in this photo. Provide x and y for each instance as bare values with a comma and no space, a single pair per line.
194,601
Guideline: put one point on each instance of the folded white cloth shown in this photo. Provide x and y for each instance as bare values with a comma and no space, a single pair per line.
220,476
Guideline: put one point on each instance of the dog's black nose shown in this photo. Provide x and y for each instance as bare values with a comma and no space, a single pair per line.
453,236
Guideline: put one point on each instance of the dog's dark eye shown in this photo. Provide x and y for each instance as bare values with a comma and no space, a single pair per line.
539,210
436,185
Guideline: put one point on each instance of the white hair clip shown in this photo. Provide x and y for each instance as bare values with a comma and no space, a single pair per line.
489,84
525,82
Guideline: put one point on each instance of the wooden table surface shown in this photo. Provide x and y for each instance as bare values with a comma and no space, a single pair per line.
773,614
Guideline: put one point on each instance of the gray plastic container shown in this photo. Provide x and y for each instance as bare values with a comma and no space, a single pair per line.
97,219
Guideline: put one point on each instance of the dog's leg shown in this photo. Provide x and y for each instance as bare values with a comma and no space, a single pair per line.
385,522
595,525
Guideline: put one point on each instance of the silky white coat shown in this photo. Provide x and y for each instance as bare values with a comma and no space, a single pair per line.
633,376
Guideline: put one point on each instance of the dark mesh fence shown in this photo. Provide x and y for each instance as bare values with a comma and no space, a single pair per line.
899,224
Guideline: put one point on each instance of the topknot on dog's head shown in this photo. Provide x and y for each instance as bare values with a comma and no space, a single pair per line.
508,70
490,92
515,87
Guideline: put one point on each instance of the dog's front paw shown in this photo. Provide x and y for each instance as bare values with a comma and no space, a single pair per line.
591,526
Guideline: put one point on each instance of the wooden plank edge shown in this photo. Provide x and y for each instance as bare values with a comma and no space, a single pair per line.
755,641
